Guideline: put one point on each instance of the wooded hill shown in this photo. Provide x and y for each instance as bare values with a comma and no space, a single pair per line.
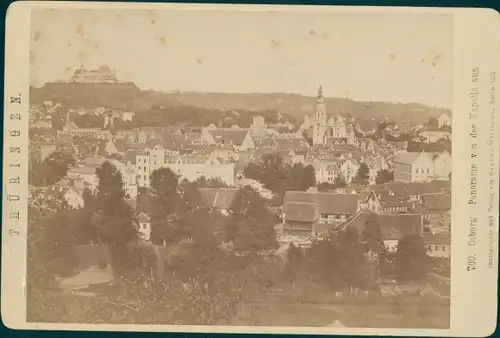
130,97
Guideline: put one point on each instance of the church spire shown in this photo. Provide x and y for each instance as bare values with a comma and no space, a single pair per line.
320,94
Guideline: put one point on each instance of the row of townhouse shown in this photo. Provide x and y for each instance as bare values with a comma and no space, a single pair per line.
422,166
400,209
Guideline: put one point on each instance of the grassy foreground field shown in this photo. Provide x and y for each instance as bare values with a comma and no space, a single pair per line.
350,315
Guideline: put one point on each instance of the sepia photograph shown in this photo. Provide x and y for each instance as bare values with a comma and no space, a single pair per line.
240,168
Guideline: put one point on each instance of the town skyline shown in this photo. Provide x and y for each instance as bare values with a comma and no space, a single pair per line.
279,62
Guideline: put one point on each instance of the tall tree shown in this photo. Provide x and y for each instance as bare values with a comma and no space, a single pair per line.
113,218
251,224
373,240
272,171
363,172
339,182
166,201
58,238
58,119
301,177
384,176
411,259
54,167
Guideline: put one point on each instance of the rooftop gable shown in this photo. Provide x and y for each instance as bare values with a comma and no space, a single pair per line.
328,203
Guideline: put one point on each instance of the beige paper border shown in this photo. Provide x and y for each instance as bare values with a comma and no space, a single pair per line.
474,294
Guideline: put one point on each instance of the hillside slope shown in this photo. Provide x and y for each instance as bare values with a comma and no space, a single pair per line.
130,97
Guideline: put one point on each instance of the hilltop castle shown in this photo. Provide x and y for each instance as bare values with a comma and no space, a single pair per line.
102,74
323,130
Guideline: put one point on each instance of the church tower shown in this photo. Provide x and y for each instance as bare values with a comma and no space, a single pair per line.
320,115
319,127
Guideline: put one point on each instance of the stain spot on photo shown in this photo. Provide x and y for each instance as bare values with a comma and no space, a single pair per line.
312,32
37,35
199,61
275,44
163,40
79,29
392,56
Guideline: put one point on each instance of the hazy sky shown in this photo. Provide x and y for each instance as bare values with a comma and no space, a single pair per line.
380,57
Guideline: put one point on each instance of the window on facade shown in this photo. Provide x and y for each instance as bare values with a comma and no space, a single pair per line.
330,218
428,170
416,171
144,177
443,248
436,247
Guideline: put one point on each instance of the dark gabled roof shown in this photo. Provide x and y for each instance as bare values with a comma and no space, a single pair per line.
404,190
393,226
220,198
225,198
208,196
143,217
229,136
437,201
130,156
439,239
328,203
121,145
301,212
410,157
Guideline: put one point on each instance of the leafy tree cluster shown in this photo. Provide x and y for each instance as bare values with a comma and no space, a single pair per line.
205,288
51,170
192,116
339,261
384,176
58,118
439,146
88,120
350,260
279,176
338,183
250,226
363,174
